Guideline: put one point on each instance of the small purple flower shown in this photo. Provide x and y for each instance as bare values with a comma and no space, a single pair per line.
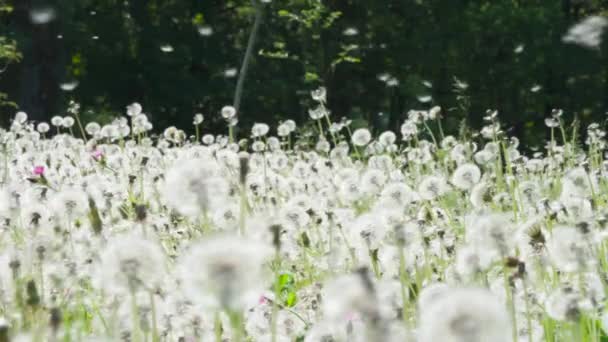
39,170
97,154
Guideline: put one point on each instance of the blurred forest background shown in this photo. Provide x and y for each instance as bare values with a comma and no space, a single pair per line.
377,59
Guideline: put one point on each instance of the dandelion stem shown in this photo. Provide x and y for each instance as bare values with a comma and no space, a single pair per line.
217,328
135,316
77,117
236,320
511,303
275,302
248,54
403,279
155,335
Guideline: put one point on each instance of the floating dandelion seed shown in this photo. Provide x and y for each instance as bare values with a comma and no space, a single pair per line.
166,48
425,98
42,15
459,84
230,73
351,31
69,86
536,88
392,82
384,77
519,48
587,33
205,31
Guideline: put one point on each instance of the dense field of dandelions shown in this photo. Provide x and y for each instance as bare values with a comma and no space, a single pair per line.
109,233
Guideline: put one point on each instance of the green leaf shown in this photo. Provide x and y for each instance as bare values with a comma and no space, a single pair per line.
199,19
311,77
291,299
285,280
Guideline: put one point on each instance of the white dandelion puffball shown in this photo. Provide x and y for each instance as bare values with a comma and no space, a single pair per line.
228,112
567,249
361,137
466,176
346,295
224,272
131,263
432,187
134,109
198,119
464,314
195,186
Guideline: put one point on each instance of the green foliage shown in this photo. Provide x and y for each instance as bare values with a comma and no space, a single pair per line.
9,54
8,51
287,290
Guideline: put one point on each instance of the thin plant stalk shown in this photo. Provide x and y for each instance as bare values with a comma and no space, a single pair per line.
248,54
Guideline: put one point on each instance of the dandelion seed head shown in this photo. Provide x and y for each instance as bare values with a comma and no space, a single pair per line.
464,314
131,263
224,272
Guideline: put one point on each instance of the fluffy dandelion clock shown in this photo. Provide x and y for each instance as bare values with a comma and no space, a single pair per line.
228,112
361,137
398,194
259,130
564,304
319,94
387,138
134,109
317,113
464,314
432,187
283,130
43,127
70,203
348,295
568,249
432,293
471,260
372,182
577,182
68,122
57,121
225,272
466,176
198,119
492,232
408,130
195,186
131,263
368,229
